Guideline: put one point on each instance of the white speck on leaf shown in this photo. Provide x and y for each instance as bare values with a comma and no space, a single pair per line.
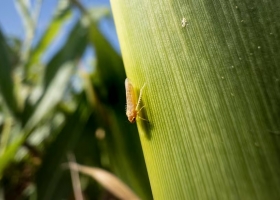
184,22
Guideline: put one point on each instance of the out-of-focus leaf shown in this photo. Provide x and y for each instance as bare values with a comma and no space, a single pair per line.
50,175
93,14
109,67
61,15
53,94
7,84
107,180
98,13
29,17
76,183
4,136
73,49
23,7
14,44
10,151
91,154
121,136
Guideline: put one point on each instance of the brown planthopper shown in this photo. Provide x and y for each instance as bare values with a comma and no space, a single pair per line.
132,104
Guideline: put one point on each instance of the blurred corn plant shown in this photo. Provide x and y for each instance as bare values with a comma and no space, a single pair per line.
44,115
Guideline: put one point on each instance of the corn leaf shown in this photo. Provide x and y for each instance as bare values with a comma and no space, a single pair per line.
65,59
61,15
125,149
9,153
52,95
72,50
24,11
212,94
107,180
53,182
7,84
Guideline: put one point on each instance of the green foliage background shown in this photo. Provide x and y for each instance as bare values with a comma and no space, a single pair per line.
44,117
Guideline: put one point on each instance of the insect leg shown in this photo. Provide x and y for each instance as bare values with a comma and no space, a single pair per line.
140,109
142,118
140,96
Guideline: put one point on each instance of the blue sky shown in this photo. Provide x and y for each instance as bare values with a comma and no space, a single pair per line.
11,24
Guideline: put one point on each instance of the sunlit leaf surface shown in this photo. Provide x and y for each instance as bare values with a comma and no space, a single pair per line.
211,97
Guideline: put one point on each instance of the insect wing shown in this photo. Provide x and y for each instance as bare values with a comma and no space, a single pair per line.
130,98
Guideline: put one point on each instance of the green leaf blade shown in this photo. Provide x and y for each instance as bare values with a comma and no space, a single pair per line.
125,152
211,95
7,82
62,14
